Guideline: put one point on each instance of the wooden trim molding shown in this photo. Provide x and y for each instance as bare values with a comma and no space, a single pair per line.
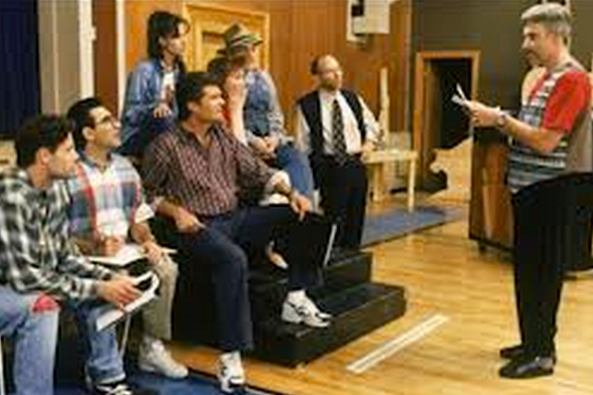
209,21
422,66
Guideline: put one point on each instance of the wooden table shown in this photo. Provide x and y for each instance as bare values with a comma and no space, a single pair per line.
376,161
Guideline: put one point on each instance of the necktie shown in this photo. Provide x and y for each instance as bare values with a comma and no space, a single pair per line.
339,143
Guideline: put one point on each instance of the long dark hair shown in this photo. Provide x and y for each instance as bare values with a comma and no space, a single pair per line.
163,24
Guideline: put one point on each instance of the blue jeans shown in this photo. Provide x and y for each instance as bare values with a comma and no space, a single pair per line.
104,364
230,242
35,337
296,164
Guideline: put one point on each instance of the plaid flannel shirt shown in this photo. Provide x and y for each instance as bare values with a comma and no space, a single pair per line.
207,181
36,254
106,201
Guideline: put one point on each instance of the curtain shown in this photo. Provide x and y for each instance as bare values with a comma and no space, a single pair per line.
19,64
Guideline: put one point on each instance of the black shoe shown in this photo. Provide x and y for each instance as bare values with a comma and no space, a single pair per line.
121,388
518,351
528,367
512,352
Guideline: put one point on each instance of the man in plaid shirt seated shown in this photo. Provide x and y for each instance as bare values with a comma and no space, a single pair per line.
197,173
107,205
40,267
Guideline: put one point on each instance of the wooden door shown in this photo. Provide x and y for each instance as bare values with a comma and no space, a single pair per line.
209,22
431,118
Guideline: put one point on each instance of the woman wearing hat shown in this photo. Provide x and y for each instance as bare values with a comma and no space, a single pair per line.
150,107
231,78
263,118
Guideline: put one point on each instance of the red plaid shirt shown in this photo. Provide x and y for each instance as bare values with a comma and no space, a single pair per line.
205,181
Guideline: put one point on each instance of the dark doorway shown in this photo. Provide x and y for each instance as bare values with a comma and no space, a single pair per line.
438,122
454,124
19,67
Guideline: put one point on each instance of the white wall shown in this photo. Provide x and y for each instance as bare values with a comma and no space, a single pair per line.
66,61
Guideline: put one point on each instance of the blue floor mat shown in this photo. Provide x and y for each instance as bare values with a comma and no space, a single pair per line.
194,385
400,222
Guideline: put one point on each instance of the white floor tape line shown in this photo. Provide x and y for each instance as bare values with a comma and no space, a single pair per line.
399,343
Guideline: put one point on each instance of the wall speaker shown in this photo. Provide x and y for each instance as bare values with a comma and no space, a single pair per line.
370,16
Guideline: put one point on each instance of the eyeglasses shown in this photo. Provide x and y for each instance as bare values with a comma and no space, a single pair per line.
108,120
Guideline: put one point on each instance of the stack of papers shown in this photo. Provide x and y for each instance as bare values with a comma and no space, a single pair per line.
460,97
112,315
129,253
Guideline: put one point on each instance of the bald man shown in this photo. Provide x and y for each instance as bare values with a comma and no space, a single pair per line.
336,129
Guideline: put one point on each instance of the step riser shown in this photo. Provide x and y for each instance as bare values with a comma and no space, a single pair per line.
346,272
359,307
267,292
267,299
292,350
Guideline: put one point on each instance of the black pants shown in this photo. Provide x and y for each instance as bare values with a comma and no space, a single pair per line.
231,242
551,221
343,196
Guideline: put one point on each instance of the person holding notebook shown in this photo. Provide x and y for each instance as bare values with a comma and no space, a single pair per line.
550,178
107,205
40,267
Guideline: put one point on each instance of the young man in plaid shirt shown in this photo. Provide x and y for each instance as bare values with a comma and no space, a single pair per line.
39,266
108,208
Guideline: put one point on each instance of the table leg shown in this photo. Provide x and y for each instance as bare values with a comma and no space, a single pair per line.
411,184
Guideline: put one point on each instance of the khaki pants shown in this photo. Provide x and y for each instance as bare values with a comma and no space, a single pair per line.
157,314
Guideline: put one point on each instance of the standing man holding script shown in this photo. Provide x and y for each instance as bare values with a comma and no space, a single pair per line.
549,177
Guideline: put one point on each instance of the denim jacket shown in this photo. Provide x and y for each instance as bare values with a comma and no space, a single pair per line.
143,92
262,112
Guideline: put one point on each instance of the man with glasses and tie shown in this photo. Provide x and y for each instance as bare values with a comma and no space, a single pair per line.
336,129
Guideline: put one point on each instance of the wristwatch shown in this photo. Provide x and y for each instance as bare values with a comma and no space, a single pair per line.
501,120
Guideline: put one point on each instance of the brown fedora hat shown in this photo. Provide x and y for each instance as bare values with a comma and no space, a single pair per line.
236,37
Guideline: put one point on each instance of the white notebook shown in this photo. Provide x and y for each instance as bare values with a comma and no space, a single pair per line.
127,254
112,315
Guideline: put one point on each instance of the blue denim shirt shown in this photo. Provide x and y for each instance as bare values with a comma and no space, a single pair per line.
143,92
262,113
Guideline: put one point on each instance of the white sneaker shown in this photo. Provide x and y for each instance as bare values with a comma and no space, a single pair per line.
305,312
231,375
155,358
312,306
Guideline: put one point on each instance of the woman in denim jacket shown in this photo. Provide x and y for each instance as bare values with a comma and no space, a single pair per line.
263,117
150,107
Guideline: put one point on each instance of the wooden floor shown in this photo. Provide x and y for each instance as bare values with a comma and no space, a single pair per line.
445,275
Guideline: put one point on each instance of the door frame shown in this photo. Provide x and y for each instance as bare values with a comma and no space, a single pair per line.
423,66
214,18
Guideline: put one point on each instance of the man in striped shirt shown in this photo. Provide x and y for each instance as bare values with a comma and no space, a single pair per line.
549,175
108,211
198,174
39,266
